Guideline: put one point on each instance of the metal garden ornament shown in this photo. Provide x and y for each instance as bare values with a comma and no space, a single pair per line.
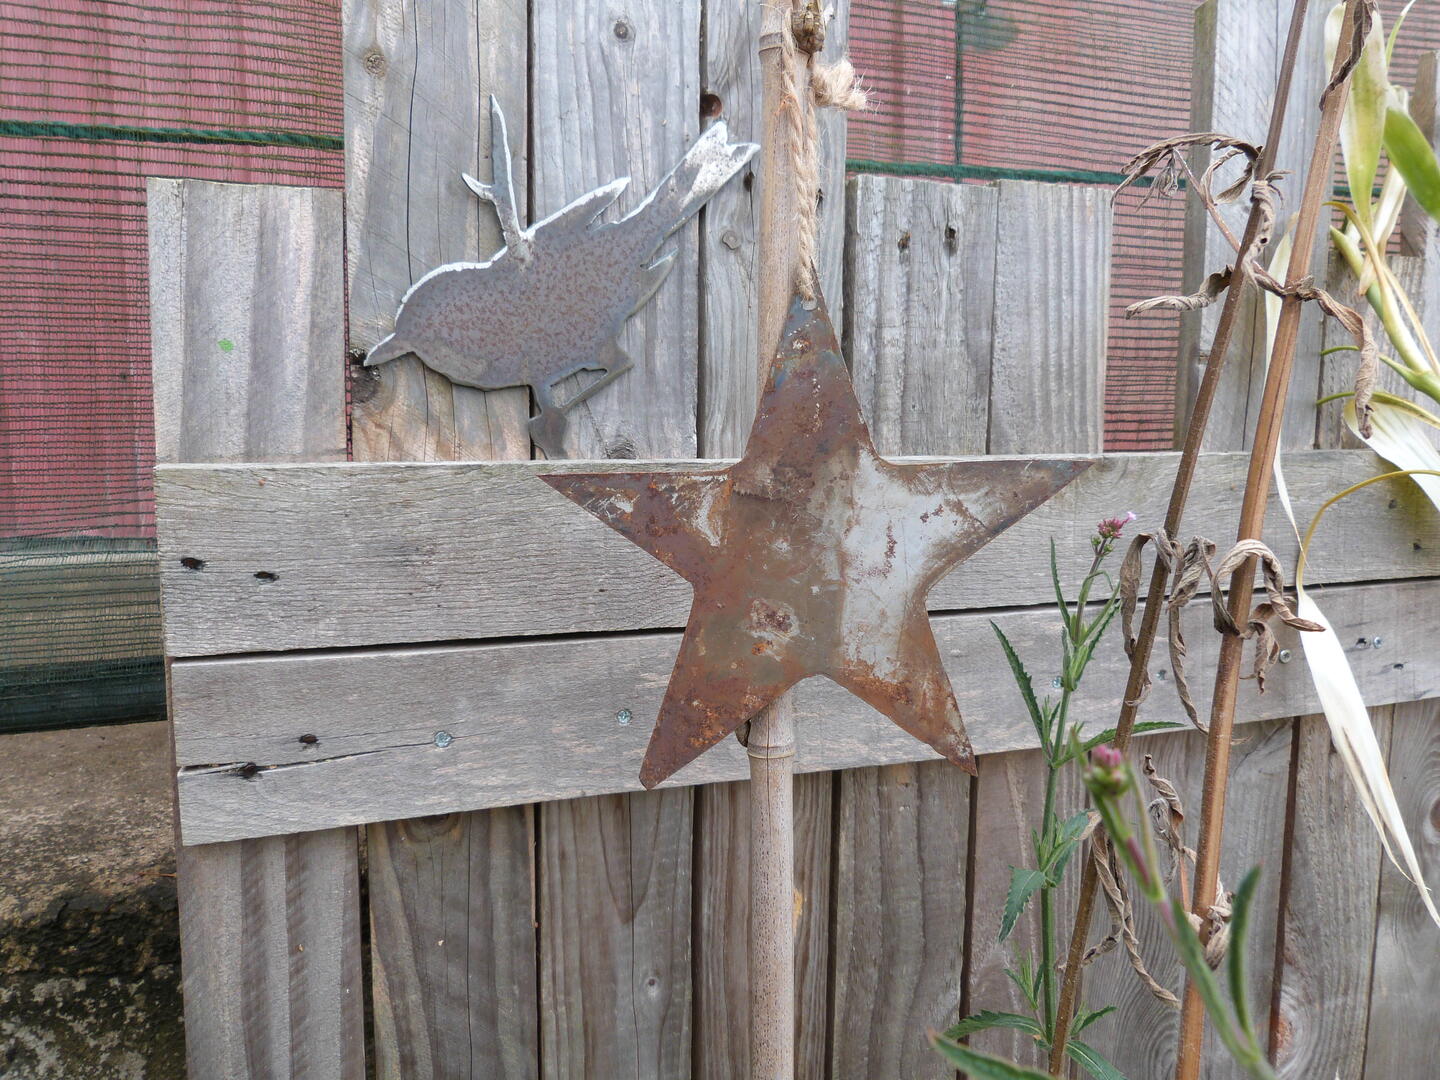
551,302
812,555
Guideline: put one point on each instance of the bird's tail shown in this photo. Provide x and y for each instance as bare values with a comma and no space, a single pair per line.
703,171
392,348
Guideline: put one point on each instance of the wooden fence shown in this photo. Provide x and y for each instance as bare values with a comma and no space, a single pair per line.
602,936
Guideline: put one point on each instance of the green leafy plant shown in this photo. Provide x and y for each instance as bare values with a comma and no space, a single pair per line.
1058,836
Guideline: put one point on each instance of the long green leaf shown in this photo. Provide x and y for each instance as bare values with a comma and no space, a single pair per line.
982,1066
1108,735
1025,683
1413,155
1235,956
985,1020
1092,1061
1023,884
1362,127
1085,1019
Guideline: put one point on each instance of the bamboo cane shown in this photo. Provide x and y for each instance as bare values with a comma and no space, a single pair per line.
1252,521
1174,514
771,740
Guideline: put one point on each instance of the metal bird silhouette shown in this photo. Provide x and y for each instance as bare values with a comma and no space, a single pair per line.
551,302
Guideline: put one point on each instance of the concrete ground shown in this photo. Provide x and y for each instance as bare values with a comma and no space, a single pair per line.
89,949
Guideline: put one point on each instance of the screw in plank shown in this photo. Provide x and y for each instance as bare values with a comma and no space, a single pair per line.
1376,642
443,739
1285,656
623,717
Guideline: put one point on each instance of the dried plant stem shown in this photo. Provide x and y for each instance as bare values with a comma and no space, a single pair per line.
1179,495
1252,521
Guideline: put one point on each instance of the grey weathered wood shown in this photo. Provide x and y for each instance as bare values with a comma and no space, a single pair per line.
921,293
616,93
269,929
1254,835
1238,45
269,932
899,916
729,389
453,956
1329,915
615,903
375,714
418,74
1406,975
247,327
451,899
367,554
1052,296
1047,376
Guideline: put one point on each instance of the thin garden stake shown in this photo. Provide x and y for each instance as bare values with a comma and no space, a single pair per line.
1174,513
1252,510
771,739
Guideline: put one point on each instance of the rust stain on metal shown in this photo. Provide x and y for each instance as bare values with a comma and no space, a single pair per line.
812,555
552,301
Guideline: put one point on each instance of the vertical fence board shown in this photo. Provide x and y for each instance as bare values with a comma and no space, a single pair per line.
1329,914
1238,46
617,94
418,74
1255,817
247,338
451,899
1405,980
920,298
729,388
1052,285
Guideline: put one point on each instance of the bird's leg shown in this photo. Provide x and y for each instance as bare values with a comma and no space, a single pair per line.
548,425
500,192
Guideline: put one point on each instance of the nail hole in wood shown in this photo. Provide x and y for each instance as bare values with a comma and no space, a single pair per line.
266,575
192,563
904,242
309,740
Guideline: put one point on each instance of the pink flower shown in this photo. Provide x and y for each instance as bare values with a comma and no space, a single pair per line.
1109,529
1106,756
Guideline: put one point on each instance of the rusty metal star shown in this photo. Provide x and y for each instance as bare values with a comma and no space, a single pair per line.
812,555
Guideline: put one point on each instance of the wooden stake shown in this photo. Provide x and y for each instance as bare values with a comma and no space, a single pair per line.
771,742
1252,521
1174,513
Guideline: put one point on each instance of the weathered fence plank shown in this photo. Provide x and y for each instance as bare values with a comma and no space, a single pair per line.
1255,816
1237,49
921,295
729,388
1405,979
1329,914
418,75
248,343
1052,289
618,95
451,900
375,714
464,551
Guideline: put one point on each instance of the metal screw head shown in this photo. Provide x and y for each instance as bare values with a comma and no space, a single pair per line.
1377,642
623,717
1056,683
443,739
1286,656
